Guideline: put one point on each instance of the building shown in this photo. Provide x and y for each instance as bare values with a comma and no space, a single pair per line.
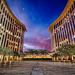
11,29
63,29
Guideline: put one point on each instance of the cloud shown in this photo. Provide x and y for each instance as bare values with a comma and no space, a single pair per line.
38,43
37,35
29,46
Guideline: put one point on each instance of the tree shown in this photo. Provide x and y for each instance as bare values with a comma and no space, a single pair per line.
6,51
16,53
43,52
67,50
31,51
1,50
38,52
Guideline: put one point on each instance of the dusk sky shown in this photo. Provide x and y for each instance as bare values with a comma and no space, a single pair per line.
37,15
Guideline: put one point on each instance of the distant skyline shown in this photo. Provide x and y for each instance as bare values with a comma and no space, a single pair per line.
37,15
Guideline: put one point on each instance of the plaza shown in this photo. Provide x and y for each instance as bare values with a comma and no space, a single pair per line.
38,68
37,60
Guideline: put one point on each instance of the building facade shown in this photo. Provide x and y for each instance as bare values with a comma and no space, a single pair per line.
63,29
11,29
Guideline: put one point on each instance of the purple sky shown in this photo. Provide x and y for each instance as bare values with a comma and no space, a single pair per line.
37,15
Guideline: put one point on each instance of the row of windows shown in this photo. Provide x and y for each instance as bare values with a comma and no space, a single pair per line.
0,38
11,46
13,38
10,43
59,45
6,13
8,16
74,39
15,42
62,28
0,33
9,26
69,12
67,32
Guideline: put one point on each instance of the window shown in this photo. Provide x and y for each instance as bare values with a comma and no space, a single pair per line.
74,39
70,10
0,33
1,6
6,24
11,19
5,13
0,38
10,27
72,7
1,19
3,9
56,26
74,4
74,26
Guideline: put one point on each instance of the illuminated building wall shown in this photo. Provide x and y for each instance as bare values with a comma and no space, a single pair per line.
11,29
63,29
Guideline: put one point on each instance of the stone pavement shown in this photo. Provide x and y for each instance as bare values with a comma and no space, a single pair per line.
38,68
37,71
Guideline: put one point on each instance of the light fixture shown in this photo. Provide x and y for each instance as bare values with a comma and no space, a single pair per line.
62,27
74,14
74,36
68,21
0,24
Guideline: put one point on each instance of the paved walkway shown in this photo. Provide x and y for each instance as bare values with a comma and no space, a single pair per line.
37,71
38,68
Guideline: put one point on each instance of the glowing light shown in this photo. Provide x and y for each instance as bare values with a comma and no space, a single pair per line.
74,14
31,46
0,24
74,36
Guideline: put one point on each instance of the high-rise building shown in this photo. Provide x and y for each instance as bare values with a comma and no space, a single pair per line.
63,29
11,29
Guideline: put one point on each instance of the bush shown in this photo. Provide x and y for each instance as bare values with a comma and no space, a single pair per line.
37,59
